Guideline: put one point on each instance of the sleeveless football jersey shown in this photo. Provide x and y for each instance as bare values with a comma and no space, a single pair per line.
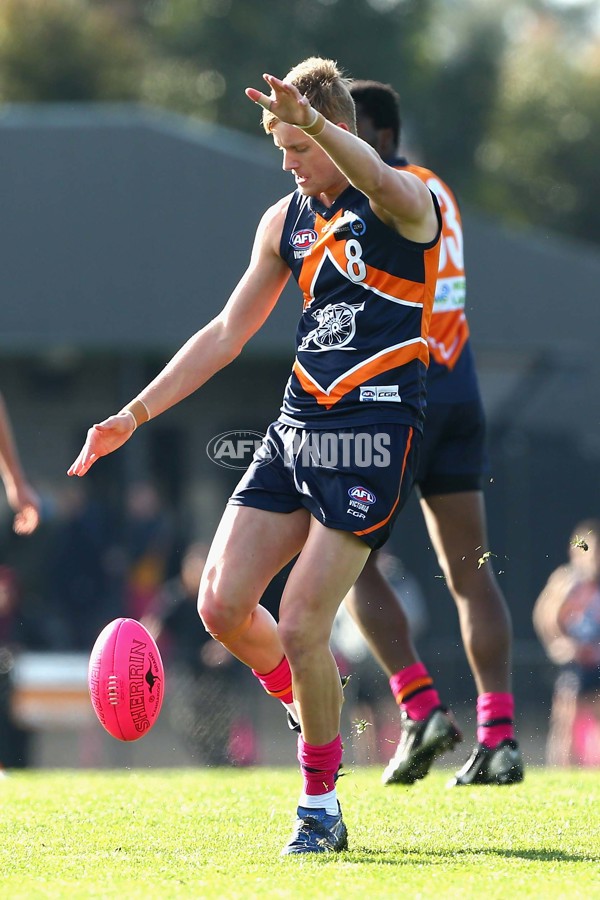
361,343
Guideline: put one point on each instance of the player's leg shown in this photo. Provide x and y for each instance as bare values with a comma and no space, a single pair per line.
327,566
249,548
426,729
457,527
376,609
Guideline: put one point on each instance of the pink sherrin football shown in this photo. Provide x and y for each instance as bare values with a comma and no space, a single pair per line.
126,679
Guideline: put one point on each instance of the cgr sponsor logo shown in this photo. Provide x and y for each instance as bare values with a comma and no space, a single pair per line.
354,512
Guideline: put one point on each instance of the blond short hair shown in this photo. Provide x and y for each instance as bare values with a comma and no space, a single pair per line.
326,88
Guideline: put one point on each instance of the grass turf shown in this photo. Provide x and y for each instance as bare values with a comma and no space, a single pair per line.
218,834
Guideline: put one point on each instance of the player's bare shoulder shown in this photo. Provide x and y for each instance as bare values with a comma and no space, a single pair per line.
270,227
407,206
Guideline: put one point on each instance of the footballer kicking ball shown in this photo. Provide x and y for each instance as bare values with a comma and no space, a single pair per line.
126,679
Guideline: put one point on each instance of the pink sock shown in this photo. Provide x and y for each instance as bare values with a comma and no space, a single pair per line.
319,765
414,691
278,683
495,718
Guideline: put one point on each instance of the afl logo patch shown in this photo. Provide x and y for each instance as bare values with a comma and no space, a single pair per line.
302,240
362,495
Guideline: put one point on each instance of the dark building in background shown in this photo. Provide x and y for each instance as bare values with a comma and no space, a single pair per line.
123,232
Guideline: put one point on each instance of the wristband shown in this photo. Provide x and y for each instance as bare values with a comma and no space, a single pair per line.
138,411
318,122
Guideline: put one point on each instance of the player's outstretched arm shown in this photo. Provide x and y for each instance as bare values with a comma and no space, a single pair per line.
208,351
399,198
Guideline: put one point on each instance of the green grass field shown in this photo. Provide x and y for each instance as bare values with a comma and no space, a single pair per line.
218,834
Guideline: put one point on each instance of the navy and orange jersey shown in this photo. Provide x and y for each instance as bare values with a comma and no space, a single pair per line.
451,376
361,351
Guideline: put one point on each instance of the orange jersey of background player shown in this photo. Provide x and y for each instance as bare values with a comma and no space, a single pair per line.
448,329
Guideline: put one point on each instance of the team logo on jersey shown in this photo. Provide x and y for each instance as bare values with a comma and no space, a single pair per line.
335,329
303,239
362,495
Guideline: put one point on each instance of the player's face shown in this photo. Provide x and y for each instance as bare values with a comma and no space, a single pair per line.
313,170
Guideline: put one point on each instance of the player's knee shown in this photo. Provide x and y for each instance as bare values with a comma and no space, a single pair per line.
221,617
299,639
464,578
214,612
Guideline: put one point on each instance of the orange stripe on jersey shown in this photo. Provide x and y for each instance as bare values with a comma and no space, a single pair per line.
383,283
387,518
377,365
395,289
312,262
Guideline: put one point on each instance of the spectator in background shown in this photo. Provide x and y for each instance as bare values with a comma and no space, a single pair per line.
202,680
80,592
17,631
566,617
25,504
148,545
22,498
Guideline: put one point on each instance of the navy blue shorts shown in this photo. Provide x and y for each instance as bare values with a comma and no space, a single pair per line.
453,456
352,479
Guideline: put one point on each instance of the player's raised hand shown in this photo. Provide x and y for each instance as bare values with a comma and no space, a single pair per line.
285,101
102,439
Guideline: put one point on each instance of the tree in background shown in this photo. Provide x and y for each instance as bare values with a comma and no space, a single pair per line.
221,45
537,163
502,97
65,51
